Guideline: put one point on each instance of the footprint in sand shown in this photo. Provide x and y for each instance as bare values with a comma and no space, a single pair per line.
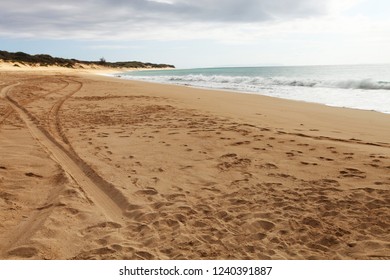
266,225
282,175
268,166
149,191
352,173
303,145
30,174
236,163
104,225
24,252
308,163
373,165
200,224
326,159
144,255
309,221
241,143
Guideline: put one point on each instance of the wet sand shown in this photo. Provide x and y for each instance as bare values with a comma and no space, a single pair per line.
99,168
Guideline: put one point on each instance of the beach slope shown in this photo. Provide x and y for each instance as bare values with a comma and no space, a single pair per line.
99,168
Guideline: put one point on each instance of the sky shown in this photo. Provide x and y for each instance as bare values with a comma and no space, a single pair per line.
201,33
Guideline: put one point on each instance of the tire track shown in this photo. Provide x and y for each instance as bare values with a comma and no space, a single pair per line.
26,229
8,111
110,201
53,118
30,100
19,235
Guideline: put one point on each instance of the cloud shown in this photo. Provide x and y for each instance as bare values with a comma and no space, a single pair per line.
121,19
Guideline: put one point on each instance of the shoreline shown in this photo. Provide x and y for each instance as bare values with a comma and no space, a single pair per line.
362,94
113,75
119,169
333,112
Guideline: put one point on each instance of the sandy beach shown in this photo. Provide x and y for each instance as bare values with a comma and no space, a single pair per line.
93,167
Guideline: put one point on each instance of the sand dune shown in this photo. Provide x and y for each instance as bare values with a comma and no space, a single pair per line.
97,168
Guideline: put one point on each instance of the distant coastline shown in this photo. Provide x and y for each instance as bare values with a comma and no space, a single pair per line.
20,59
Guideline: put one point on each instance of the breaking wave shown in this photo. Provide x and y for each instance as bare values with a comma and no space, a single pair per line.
340,86
246,82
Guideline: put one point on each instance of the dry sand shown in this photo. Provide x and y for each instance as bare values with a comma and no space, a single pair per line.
97,168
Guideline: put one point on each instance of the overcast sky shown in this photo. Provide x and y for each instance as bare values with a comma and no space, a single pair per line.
201,33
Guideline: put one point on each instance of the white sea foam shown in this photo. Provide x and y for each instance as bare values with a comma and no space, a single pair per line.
335,88
245,81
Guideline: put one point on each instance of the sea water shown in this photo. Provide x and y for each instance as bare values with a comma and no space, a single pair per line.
365,87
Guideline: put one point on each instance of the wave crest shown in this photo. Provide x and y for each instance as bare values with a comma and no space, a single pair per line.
243,82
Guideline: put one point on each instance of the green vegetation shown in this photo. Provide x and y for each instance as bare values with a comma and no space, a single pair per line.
47,60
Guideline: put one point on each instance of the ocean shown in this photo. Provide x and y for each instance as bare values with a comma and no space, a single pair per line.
365,87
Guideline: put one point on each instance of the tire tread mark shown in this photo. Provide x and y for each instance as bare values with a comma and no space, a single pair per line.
111,194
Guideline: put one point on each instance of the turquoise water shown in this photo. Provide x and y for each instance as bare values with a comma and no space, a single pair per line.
364,87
